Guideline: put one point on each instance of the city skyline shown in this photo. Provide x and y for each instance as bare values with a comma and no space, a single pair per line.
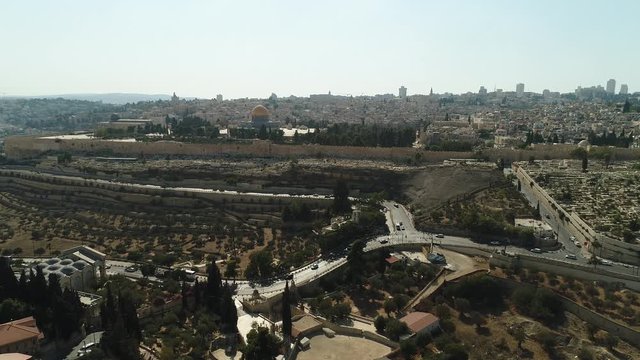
251,49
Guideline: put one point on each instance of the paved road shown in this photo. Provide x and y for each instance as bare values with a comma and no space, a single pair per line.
93,338
550,216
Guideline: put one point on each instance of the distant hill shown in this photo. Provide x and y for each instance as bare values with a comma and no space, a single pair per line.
114,98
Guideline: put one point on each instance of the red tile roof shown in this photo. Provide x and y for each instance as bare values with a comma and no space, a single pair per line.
417,321
19,330
392,259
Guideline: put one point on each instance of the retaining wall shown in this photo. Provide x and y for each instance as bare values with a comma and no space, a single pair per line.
558,267
616,328
611,248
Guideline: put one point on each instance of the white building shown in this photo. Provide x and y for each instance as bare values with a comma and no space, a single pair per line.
76,275
520,90
219,97
611,86
541,230
402,92
624,89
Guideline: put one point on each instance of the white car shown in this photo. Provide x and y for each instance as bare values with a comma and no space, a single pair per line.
536,250
571,256
577,243
440,236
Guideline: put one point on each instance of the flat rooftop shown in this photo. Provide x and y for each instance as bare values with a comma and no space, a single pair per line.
343,347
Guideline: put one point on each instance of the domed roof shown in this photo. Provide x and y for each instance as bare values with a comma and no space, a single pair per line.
584,143
259,111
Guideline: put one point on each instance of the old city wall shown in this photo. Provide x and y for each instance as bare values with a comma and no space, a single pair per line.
18,147
611,248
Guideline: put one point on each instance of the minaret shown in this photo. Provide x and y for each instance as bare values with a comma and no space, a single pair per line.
431,92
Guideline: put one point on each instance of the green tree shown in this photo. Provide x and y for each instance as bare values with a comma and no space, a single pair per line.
286,313
13,309
261,345
408,348
519,335
456,352
380,323
611,341
231,270
212,291
395,328
260,265
462,305
341,202
355,263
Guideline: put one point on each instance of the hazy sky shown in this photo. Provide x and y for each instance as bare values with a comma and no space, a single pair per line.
252,48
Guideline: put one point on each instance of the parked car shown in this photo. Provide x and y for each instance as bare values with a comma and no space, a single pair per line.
606,262
384,241
132,268
314,267
496,243
289,277
571,256
536,250
440,236
577,243
395,205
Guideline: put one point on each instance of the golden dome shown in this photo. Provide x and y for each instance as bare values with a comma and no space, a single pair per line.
259,111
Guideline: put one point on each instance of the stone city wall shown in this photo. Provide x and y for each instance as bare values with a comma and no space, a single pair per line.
19,147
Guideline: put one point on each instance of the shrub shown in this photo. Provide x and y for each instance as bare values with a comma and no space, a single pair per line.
380,323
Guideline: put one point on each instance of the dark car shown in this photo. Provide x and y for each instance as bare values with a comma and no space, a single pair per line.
132,268
288,277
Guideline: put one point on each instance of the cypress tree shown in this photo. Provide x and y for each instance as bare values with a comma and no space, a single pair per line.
212,291
286,313
8,281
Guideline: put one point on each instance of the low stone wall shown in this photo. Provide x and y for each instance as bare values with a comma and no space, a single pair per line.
616,328
380,339
467,250
567,269
558,267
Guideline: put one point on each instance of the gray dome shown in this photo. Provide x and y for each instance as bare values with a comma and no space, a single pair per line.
66,262
80,264
52,261
68,270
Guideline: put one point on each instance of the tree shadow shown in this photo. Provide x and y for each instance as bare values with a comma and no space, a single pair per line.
367,305
484,331
525,353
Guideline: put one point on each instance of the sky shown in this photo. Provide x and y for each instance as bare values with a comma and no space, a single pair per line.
254,48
